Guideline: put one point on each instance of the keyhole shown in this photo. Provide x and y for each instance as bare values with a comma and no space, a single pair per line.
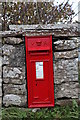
36,84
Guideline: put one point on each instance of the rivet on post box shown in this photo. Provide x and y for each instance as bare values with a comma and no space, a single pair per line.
40,78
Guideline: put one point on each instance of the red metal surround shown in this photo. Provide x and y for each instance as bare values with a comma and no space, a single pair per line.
40,77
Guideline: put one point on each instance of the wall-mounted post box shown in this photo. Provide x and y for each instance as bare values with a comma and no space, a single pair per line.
40,80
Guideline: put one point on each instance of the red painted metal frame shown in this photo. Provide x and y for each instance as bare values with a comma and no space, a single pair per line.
40,91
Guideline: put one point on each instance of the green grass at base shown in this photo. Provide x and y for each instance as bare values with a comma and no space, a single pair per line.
56,113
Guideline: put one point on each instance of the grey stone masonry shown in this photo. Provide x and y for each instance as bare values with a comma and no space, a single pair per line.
12,99
66,69
67,90
66,44
66,54
14,82
14,70
13,40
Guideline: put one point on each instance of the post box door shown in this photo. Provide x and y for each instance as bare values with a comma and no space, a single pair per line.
40,78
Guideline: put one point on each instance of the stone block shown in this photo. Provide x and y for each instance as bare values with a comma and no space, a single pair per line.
67,90
66,44
14,81
7,49
13,72
14,89
66,54
65,70
12,99
14,56
13,40
17,58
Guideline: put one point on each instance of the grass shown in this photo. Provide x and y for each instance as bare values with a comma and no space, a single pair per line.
56,113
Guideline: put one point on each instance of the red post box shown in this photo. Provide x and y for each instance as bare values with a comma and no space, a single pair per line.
39,61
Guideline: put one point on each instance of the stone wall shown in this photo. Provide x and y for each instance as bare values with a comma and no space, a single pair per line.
66,69
14,74
14,82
